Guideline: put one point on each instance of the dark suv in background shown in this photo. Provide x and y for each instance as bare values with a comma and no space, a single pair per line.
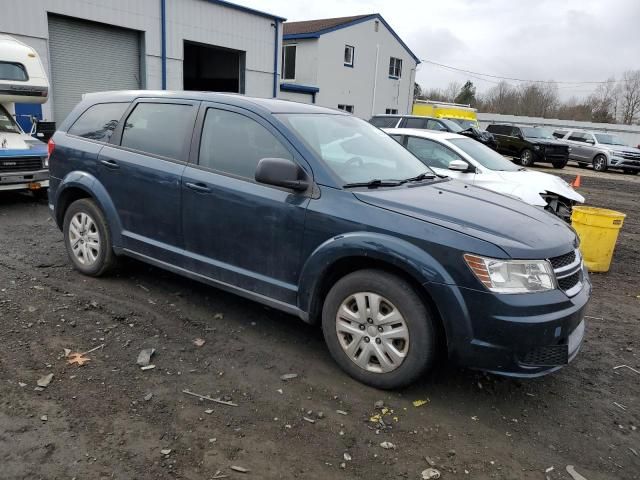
437,124
319,214
530,145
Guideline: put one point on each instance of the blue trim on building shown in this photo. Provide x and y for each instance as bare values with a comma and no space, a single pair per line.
377,16
163,41
275,61
294,87
247,9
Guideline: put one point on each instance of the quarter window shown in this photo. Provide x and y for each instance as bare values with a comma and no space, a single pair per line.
348,55
159,129
431,153
13,71
234,144
99,121
289,62
395,67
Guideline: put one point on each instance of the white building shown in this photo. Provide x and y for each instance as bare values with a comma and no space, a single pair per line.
358,64
89,45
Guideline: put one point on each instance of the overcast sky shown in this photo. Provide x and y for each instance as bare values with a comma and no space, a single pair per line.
562,40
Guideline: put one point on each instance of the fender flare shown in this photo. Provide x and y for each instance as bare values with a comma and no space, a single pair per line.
92,186
413,260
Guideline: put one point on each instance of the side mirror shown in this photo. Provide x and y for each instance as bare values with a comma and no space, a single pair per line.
281,172
459,166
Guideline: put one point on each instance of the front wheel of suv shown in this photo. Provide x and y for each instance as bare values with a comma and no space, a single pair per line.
560,164
600,163
87,238
526,158
378,329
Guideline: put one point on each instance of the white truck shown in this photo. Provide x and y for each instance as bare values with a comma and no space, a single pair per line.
23,158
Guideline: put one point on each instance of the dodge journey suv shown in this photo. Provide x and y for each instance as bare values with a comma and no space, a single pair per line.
317,213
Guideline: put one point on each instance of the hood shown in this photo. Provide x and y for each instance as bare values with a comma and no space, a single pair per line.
521,230
16,144
528,185
621,148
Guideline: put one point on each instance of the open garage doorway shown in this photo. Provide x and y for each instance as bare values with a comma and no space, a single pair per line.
211,68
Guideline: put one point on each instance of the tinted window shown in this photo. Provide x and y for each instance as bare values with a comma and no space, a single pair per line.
13,71
99,121
432,153
159,128
536,132
233,143
578,137
415,123
384,122
559,133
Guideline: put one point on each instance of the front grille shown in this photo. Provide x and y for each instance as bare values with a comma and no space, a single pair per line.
630,155
11,164
568,271
548,356
569,282
563,260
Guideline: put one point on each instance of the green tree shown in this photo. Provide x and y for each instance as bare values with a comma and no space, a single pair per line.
467,94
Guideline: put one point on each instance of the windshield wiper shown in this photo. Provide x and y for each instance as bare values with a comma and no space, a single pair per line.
418,178
375,183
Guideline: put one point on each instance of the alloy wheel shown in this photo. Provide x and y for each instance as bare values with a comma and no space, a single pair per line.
372,332
84,239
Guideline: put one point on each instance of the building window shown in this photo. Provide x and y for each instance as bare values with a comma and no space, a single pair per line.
348,55
346,108
289,62
395,67
391,111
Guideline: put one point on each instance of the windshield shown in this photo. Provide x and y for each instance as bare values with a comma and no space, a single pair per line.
608,139
451,125
533,132
465,124
354,149
7,123
484,155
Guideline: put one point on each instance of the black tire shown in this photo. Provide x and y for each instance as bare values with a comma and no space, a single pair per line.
629,171
560,164
526,158
600,163
106,258
421,345
582,165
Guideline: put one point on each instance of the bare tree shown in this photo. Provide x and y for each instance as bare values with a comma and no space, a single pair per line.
503,98
630,96
538,100
452,91
603,102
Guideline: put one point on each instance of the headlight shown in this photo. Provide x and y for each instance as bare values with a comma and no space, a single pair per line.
568,149
536,147
45,162
512,276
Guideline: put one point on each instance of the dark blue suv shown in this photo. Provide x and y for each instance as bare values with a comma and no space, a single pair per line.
320,214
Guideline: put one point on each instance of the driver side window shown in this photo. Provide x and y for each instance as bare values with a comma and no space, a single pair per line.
431,153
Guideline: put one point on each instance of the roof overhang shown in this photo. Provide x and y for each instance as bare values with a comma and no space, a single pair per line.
293,87
242,8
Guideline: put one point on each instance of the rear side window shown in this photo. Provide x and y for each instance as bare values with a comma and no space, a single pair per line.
499,129
415,123
99,121
384,122
578,137
159,129
559,133
234,144
13,71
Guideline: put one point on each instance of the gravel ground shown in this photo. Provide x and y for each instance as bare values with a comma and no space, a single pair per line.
110,419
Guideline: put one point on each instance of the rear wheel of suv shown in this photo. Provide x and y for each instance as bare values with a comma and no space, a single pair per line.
526,158
378,329
600,163
560,164
87,238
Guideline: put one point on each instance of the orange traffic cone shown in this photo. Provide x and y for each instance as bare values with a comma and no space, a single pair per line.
576,182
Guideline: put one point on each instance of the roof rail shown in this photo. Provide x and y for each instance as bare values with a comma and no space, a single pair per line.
435,102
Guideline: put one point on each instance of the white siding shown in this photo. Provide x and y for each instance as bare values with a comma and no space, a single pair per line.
323,66
195,20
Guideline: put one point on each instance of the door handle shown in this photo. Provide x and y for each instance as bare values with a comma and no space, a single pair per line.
198,187
110,164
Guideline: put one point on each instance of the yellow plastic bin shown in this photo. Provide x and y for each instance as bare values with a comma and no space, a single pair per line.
598,231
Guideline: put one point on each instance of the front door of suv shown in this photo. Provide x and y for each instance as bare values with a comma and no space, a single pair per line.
238,231
141,171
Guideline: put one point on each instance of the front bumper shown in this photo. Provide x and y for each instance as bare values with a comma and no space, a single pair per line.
524,335
626,163
24,180
544,156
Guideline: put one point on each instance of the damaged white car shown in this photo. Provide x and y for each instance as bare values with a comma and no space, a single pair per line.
465,159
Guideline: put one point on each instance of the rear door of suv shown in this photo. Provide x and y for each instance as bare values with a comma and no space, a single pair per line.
141,170
238,231
579,146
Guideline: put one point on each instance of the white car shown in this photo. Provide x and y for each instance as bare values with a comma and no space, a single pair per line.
470,161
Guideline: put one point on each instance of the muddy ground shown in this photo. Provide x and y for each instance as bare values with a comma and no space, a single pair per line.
109,419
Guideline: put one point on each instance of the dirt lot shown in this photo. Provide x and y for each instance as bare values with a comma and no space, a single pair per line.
109,419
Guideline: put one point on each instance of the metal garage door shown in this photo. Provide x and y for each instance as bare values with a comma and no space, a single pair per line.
90,57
